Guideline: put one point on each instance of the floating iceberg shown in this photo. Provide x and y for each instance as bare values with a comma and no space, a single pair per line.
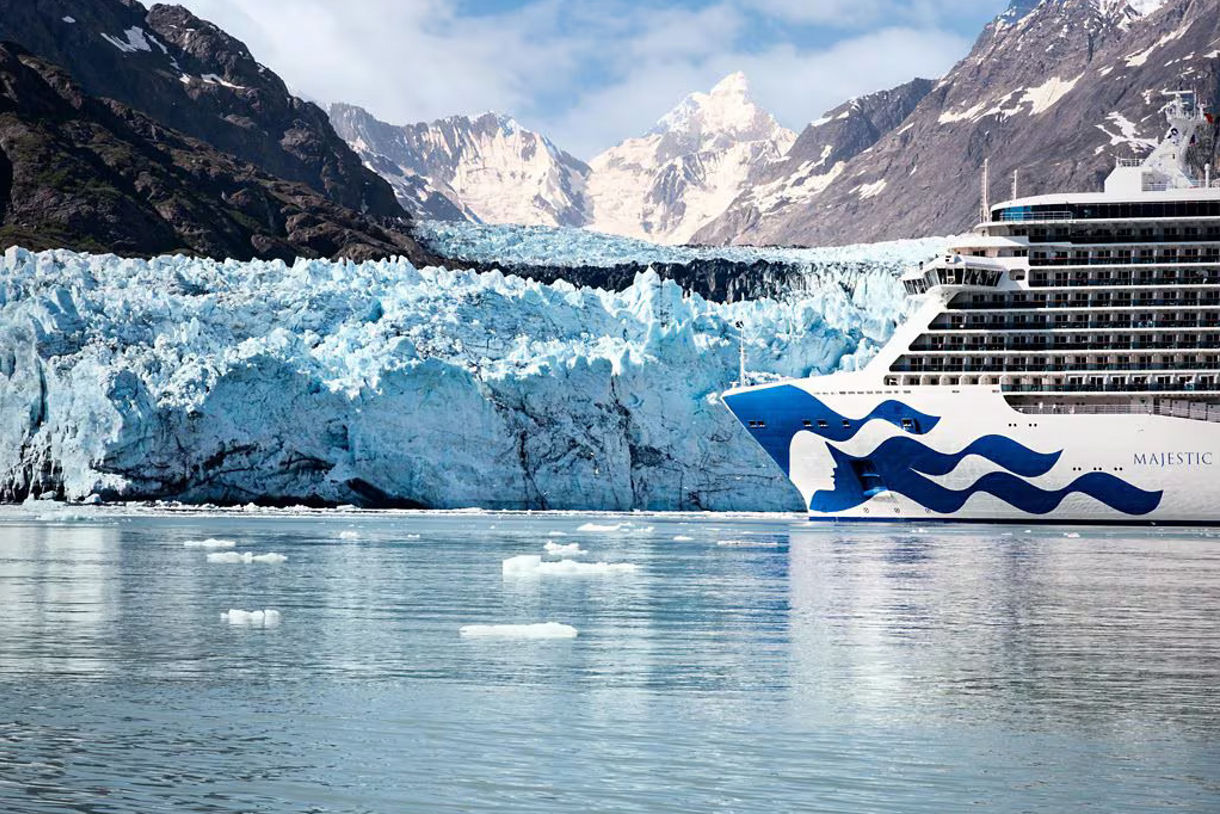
530,565
211,542
603,526
379,384
562,550
258,618
543,630
349,535
682,538
245,557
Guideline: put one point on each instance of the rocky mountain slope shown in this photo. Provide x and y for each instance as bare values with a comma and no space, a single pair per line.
1056,89
141,130
668,184
487,169
93,174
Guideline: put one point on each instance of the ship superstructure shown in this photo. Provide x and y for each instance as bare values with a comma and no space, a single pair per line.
1063,363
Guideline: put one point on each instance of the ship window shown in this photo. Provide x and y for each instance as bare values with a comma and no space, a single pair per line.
822,425
908,424
807,423
846,422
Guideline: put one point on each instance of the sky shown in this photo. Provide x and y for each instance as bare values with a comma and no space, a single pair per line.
590,74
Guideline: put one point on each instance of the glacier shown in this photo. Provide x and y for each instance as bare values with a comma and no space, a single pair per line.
381,384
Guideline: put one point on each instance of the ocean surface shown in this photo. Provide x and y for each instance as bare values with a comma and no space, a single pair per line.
747,664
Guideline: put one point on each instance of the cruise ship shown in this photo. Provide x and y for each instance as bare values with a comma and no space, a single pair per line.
1061,365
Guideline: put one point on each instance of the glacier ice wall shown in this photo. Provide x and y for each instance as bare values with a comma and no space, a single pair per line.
382,384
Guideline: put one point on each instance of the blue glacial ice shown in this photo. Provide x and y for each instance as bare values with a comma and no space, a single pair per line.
381,384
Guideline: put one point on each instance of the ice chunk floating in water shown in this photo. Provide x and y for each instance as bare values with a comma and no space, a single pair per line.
561,550
530,565
349,535
603,527
257,618
245,557
211,542
543,630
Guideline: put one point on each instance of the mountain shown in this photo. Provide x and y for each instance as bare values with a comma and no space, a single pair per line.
140,130
684,172
92,174
817,158
189,75
1056,90
487,168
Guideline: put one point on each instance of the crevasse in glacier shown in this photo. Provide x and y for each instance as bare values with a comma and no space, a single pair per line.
381,384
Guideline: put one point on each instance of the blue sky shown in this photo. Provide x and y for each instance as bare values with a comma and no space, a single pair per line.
589,74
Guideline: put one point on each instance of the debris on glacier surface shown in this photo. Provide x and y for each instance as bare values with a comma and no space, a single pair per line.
562,550
541,630
245,557
379,384
532,565
258,618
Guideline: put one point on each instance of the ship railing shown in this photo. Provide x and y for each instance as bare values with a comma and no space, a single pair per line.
1129,387
1200,411
1027,217
1128,260
1129,162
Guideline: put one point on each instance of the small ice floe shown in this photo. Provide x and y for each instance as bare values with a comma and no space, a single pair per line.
556,534
646,530
245,557
531,565
1072,534
682,538
561,550
542,630
211,542
412,536
747,544
349,535
602,527
257,618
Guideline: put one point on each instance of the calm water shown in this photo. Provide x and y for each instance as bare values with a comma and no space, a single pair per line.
799,668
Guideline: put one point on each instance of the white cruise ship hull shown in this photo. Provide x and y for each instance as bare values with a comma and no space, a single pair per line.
857,451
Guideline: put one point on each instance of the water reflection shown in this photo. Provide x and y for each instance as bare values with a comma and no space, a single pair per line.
1033,630
753,661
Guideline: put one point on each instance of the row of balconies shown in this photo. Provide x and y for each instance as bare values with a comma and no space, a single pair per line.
1078,322
909,364
1108,299
1062,279
1067,343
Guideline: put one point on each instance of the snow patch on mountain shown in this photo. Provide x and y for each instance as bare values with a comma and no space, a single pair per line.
380,383
486,168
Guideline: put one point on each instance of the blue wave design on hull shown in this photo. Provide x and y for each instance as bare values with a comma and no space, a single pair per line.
784,409
893,468
996,448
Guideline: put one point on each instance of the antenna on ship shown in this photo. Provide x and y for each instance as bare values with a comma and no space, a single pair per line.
986,189
1015,174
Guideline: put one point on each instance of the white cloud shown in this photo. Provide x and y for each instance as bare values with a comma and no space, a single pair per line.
586,74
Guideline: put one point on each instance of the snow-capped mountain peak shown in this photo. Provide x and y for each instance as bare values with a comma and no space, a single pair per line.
667,184
727,111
